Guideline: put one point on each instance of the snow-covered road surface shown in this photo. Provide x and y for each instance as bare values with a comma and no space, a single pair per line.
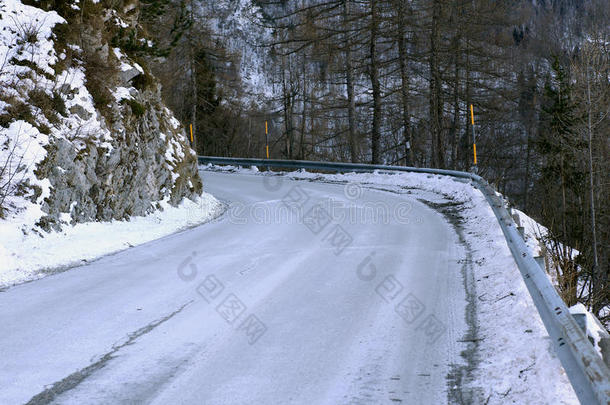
360,300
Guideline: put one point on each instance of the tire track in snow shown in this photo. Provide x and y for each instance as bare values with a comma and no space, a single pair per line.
74,379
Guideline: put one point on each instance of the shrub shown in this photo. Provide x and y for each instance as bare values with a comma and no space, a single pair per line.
143,81
97,76
136,108
12,172
19,111
46,103
33,66
58,103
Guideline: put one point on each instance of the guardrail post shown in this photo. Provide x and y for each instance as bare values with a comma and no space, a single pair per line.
516,219
604,344
541,262
596,333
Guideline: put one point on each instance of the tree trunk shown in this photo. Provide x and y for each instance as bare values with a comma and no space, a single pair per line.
456,108
349,76
376,88
436,106
595,279
304,117
455,124
288,125
468,126
404,85
194,107
526,182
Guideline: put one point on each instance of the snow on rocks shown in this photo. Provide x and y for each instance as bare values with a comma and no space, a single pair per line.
76,168
110,158
25,34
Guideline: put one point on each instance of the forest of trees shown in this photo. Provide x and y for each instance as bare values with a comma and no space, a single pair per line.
392,81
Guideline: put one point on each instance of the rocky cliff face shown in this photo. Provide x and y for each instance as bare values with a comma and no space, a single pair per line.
85,135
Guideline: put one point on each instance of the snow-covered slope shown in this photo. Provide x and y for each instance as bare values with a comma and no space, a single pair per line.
72,144
84,134
240,24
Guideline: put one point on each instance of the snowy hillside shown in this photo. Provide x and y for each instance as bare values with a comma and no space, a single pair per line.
84,134
240,25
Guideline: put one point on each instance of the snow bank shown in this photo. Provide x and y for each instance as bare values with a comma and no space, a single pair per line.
27,256
592,327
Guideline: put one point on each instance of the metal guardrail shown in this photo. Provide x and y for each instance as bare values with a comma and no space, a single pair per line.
588,374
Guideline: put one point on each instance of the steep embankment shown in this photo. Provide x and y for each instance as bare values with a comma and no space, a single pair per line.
83,129
84,138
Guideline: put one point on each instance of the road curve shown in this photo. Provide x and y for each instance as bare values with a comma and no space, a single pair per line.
301,293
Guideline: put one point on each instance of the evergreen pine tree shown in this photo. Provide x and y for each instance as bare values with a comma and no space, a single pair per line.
561,178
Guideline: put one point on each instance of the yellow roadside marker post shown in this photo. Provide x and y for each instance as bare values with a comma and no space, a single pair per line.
474,138
266,140
191,128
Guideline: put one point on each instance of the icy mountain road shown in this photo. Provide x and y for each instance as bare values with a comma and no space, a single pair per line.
303,292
